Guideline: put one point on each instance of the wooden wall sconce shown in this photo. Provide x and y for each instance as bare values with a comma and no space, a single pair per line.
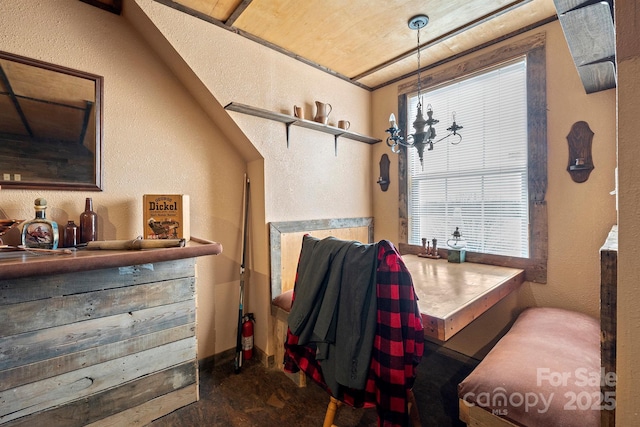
580,161
383,179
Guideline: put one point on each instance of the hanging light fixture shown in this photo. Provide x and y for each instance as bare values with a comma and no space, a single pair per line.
420,138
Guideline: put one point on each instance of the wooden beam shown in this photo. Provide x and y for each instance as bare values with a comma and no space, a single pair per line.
113,6
14,100
444,37
468,51
172,4
228,25
237,12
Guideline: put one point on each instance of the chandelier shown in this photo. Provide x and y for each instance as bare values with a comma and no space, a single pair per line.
420,138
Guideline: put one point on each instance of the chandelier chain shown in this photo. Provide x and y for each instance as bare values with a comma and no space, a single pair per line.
419,84
422,138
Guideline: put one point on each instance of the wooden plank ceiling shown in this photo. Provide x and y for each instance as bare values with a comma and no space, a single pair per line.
368,42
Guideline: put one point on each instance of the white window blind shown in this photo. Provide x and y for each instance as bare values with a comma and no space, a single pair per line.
479,185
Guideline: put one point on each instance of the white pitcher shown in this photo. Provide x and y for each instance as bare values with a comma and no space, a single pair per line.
322,112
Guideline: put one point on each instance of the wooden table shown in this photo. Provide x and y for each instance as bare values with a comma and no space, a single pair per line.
452,295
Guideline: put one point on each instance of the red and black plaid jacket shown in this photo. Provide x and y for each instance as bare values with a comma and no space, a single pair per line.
397,350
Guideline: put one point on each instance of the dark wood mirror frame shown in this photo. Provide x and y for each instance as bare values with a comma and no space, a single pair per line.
50,126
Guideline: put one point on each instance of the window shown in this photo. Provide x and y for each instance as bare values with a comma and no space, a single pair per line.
495,192
479,185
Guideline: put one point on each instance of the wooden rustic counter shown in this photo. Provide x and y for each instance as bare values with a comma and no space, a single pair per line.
452,295
98,338
23,264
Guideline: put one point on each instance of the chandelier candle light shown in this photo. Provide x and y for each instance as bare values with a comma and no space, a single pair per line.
419,139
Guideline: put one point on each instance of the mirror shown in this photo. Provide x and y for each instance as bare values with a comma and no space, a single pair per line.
50,126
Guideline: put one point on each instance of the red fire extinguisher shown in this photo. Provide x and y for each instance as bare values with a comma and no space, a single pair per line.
247,336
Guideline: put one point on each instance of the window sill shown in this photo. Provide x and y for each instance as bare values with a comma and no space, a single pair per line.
534,270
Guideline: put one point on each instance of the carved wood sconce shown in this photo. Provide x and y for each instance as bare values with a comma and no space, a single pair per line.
383,179
580,161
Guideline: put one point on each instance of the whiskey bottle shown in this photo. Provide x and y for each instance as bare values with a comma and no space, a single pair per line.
40,232
88,223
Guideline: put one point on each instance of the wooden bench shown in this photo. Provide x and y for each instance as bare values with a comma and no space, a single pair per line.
553,367
285,244
544,371
280,308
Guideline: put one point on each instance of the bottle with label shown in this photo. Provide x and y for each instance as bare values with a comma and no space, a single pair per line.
40,232
88,223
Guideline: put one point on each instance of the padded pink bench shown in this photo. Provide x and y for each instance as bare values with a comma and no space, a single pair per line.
544,372
280,308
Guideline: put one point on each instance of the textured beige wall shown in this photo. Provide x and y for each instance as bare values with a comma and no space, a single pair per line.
580,215
306,180
156,139
157,64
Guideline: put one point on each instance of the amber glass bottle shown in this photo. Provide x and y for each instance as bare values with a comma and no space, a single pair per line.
70,234
88,223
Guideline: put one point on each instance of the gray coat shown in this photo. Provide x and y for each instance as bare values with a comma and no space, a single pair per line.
335,307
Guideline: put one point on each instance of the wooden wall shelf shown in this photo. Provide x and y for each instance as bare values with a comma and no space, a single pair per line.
292,120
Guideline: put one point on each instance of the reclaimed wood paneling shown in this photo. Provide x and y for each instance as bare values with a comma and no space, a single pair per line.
114,401
353,228
475,416
40,287
82,348
589,29
291,245
30,347
147,412
23,374
67,388
113,6
608,319
63,310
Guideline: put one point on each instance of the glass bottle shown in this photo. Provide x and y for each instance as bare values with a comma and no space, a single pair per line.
40,232
70,234
88,223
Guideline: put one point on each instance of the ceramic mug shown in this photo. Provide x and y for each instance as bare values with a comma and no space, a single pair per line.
298,112
344,124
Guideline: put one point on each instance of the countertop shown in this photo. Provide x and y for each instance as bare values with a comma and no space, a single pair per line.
18,264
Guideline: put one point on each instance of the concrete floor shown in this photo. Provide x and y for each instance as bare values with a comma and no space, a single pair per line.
267,398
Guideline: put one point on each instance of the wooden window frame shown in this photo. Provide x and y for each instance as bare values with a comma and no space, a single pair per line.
534,49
